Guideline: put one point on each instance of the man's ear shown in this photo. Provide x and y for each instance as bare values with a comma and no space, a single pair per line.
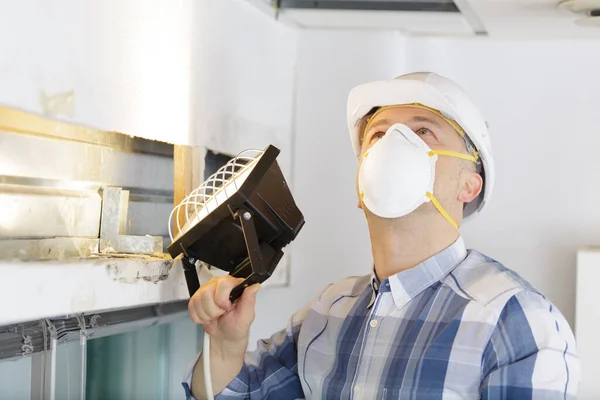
471,187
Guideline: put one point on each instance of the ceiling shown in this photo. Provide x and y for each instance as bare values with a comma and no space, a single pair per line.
542,19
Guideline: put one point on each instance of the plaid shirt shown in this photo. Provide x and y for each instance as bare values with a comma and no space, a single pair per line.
458,326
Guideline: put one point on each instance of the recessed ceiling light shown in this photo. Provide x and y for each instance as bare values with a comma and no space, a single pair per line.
591,9
580,6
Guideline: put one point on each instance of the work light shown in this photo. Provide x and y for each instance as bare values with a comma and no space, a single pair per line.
238,220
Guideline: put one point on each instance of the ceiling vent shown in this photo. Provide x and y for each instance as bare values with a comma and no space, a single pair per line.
373,5
420,17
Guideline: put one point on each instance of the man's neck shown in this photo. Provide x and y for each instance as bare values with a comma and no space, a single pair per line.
404,243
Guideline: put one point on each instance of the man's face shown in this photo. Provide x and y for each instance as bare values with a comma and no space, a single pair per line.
456,181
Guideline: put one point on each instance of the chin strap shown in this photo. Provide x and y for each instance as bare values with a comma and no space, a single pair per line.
441,209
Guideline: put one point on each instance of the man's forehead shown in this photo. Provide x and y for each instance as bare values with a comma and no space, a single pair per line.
406,113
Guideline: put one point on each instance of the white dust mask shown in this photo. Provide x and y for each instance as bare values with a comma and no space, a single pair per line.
397,174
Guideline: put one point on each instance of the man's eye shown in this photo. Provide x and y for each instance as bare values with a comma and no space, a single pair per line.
423,131
377,135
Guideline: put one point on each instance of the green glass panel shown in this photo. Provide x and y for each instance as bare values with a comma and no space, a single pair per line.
148,363
15,379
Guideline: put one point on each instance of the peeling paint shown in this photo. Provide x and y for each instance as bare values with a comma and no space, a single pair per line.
132,271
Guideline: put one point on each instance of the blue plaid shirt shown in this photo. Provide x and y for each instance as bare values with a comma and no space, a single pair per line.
458,326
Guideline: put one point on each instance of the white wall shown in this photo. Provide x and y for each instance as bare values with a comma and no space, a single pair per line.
587,321
540,98
113,65
243,78
153,68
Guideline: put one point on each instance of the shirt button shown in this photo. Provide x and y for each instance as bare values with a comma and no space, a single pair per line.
374,323
357,389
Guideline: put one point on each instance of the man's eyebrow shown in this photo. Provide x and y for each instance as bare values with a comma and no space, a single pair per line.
379,123
417,118
420,118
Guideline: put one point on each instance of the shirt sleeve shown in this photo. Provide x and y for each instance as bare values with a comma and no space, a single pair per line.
531,353
269,372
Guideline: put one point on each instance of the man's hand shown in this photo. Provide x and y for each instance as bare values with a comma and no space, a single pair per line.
228,325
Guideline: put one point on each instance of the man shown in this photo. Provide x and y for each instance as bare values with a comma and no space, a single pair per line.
433,320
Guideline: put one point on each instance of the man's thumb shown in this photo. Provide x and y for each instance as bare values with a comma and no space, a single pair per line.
248,299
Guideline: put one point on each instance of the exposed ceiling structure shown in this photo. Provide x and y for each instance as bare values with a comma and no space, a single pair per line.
543,19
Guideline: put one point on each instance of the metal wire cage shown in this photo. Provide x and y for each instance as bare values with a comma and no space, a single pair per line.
213,191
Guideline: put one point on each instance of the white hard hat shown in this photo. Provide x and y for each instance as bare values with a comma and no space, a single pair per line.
433,91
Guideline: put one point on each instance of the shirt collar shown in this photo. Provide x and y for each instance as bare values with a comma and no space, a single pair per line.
407,284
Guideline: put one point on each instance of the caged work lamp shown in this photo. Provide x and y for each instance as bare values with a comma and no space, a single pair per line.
238,220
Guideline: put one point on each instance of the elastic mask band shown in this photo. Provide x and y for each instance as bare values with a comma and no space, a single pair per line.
452,154
441,210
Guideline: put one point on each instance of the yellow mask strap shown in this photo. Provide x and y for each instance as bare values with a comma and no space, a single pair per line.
453,154
435,202
441,210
